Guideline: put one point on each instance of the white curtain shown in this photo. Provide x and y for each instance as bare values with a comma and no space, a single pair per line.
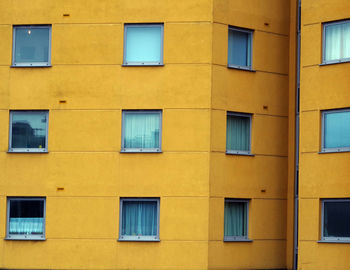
337,41
238,133
235,219
26,225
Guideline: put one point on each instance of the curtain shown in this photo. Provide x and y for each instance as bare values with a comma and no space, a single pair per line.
235,219
337,41
238,133
26,225
141,130
32,45
337,130
346,40
239,48
143,44
139,218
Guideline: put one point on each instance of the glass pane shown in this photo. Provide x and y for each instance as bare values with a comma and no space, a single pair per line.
139,218
235,219
346,40
336,219
141,130
143,44
32,45
28,130
238,133
337,130
26,217
333,42
239,48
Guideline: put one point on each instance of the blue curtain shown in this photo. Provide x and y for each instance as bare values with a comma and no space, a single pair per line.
141,130
143,44
238,133
139,218
235,219
239,48
32,45
26,225
337,130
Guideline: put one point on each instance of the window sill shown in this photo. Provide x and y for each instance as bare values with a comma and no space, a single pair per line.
27,152
138,151
334,241
25,239
143,65
334,62
241,68
138,240
239,154
334,151
238,240
31,66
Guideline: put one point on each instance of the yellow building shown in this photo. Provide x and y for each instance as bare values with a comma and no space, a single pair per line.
165,135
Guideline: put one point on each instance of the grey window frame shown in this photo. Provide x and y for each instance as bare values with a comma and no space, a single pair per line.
138,238
34,64
149,63
24,236
240,152
247,31
141,150
238,238
334,149
28,150
332,239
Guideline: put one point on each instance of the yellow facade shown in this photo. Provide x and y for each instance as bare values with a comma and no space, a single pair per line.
84,174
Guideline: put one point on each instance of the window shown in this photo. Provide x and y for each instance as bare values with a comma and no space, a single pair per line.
25,218
240,48
143,44
28,131
336,130
336,220
238,133
31,46
236,220
141,131
336,42
139,219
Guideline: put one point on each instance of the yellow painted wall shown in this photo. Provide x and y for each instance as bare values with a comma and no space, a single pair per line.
192,176
321,175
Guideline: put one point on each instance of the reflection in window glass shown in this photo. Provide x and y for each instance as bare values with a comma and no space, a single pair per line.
28,129
336,130
336,219
239,47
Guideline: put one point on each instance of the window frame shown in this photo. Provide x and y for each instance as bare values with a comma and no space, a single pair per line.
28,150
142,150
148,63
132,237
247,31
244,238
331,239
340,60
333,149
240,152
25,237
31,64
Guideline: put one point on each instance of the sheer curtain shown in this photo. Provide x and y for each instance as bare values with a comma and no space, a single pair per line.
26,225
239,48
141,130
238,133
235,219
139,218
337,41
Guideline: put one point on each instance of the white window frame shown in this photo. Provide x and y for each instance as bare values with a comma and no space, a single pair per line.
28,150
24,236
141,150
340,60
148,63
334,149
240,152
250,33
29,64
153,238
244,238
331,239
